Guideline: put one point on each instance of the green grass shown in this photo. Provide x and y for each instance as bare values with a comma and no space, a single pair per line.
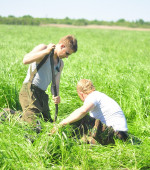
118,64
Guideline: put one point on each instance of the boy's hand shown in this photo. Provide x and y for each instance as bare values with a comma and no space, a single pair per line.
50,47
54,129
56,99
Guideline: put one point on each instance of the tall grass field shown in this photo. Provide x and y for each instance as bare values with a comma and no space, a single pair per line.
117,62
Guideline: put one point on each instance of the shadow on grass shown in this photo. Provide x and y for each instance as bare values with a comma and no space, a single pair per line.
134,140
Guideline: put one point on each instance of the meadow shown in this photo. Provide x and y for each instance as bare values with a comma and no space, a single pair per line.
116,61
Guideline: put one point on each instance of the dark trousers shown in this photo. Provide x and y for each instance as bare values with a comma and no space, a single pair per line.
93,130
34,102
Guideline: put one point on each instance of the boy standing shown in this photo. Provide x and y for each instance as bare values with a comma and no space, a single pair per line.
32,97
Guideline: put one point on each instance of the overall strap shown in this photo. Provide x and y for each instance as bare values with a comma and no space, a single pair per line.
42,62
53,82
32,74
53,73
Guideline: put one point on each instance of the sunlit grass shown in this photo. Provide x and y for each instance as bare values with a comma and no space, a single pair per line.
118,64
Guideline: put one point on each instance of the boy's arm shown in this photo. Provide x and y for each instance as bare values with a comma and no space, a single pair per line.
78,114
38,53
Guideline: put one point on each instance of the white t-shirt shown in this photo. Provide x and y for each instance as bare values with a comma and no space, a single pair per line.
107,110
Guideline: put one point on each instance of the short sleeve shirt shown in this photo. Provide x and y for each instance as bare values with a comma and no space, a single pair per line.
107,110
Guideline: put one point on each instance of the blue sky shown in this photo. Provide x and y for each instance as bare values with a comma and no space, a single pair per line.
107,10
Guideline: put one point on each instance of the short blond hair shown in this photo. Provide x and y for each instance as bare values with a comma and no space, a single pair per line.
70,42
86,86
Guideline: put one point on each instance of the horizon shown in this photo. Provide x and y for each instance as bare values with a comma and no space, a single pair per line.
73,18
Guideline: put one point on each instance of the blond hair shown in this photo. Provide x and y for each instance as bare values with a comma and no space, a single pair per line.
86,86
70,42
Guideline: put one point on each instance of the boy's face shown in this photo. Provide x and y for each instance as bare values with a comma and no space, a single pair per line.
80,94
64,51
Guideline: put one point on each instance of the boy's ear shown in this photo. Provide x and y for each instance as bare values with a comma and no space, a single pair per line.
81,93
62,46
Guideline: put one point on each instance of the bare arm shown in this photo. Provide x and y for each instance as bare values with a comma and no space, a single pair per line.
77,114
38,53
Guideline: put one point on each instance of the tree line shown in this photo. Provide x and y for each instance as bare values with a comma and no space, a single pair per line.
29,20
